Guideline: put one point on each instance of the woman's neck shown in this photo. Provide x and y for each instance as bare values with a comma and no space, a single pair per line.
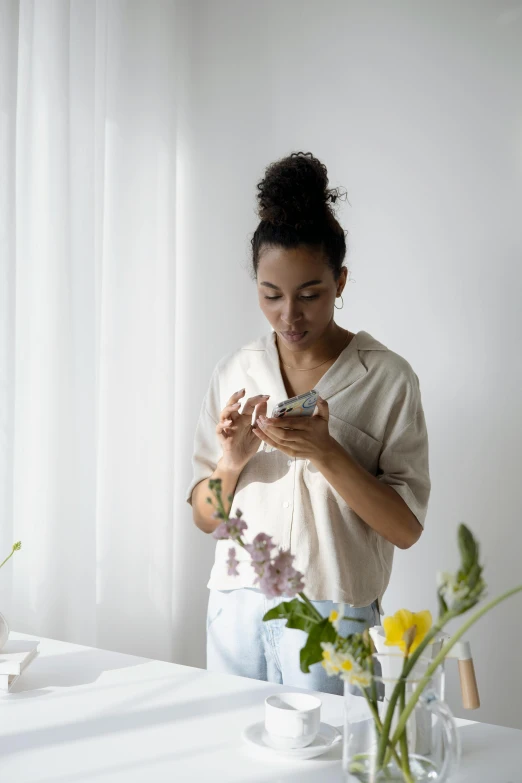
329,345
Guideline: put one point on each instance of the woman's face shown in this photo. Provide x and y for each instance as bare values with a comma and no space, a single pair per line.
297,291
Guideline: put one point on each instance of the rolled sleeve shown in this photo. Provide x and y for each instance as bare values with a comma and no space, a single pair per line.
404,465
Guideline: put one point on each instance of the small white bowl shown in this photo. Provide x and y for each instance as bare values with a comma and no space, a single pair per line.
292,720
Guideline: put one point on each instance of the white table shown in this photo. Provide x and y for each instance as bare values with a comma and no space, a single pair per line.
83,714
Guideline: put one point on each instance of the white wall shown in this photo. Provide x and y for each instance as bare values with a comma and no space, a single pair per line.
416,108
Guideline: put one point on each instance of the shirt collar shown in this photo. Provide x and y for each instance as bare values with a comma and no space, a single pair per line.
365,342
263,366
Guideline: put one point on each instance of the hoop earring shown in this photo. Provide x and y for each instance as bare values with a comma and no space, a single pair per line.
341,307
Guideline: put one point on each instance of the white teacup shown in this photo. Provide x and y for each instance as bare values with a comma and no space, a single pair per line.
292,719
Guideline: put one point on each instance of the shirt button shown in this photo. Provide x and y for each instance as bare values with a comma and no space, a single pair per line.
286,504
289,461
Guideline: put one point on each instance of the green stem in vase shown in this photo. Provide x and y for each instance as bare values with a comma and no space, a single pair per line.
388,720
383,755
378,725
372,703
372,672
409,663
440,657
405,762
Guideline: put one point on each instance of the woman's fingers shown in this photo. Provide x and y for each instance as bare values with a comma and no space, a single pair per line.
278,434
260,410
227,424
235,397
228,410
291,422
286,448
231,409
251,403
229,417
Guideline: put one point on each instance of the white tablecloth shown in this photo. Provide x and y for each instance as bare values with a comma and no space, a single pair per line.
83,714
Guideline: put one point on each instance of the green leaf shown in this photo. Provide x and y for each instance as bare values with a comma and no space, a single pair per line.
443,607
474,576
312,652
295,612
468,548
301,616
302,623
282,610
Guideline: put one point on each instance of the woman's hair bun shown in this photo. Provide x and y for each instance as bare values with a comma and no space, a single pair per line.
295,192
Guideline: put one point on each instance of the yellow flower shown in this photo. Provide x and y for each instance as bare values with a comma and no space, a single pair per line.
330,659
407,629
336,615
346,662
358,676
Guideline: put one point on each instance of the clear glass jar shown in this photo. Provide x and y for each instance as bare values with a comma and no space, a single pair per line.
429,749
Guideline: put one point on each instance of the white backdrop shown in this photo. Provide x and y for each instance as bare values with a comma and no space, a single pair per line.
416,108
140,131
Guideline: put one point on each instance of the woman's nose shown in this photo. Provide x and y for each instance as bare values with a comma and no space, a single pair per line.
290,314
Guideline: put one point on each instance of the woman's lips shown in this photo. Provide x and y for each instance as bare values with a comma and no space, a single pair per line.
293,337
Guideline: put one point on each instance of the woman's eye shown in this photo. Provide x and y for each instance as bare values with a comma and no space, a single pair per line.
307,298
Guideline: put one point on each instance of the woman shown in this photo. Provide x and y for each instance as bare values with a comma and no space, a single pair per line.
339,489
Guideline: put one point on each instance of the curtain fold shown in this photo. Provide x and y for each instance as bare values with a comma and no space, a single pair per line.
88,246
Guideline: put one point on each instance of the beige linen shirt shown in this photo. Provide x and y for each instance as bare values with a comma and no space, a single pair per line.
376,415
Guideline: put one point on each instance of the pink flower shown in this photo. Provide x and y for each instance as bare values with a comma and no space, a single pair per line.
259,568
295,584
221,532
232,562
268,583
283,562
230,528
279,577
276,576
260,553
260,548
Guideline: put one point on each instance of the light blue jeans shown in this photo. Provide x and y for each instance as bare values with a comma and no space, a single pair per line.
239,642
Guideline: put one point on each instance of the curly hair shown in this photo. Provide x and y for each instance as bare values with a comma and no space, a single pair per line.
294,208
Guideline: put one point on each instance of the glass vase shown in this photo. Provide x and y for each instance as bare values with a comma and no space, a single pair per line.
428,749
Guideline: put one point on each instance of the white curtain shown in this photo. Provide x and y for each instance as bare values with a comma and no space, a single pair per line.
91,159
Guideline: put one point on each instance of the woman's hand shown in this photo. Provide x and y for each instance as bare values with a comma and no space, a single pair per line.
234,429
304,437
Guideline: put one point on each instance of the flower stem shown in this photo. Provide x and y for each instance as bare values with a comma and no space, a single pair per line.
405,765
378,724
409,663
388,719
312,608
221,507
373,685
440,657
7,558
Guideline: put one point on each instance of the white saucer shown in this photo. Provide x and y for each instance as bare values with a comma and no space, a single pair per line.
326,738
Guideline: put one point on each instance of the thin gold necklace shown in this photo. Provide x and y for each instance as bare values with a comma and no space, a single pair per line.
307,369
